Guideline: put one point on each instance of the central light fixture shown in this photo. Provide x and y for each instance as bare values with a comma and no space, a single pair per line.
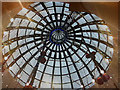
58,36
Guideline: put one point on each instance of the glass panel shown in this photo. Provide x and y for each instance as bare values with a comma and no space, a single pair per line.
98,57
104,64
38,75
49,4
49,70
24,77
20,42
91,65
94,35
57,79
13,45
94,43
59,9
21,62
51,10
28,69
43,13
81,21
110,39
58,3
102,47
103,37
64,70
45,85
66,11
72,68
32,24
36,83
23,11
37,18
93,27
96,73
65,79
21,32
14,68
47,78
27,56
13,33
109,51
76,84
87,80
39,7
85,28
30,14
96,17
79,65
74,76
103,27
83,72
88,18
66,85
48,19
24,23
16,54
16,22
33,4
23,49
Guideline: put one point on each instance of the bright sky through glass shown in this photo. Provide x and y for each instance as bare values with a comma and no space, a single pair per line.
66,65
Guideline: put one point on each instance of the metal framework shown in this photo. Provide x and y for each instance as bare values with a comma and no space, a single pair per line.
66,37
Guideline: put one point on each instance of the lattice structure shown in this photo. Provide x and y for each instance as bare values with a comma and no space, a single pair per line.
66,37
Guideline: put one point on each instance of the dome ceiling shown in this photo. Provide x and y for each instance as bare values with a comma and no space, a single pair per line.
46,46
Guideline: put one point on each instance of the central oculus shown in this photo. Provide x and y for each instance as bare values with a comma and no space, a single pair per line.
58,36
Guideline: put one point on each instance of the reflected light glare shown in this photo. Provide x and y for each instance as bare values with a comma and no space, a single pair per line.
20,3
93,80
5,58
18,76
11,19
5,33
81,86
102,72
10,68
111,49
111,37
27,84
107,60
34,85
6,85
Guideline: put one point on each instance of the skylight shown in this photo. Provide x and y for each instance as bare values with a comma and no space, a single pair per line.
65,37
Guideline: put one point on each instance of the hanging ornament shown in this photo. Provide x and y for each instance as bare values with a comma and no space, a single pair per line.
105,77
99,80
90,55
43,60
28,86
43,53
87,55
93,53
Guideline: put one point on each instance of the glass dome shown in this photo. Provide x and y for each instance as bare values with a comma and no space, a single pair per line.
65,37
